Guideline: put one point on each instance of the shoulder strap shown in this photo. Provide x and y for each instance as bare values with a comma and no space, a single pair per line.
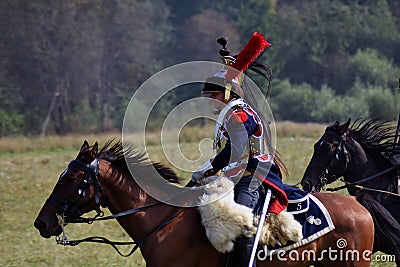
221,117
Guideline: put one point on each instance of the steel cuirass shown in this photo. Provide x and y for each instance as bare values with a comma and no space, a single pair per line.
256,141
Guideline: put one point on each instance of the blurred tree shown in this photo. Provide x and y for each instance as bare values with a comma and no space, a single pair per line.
73,65
293,102
11,113
317,38
379,101
182,10
377,29
330,107
81,50
374,69
236,20
200,33
314,47
250,16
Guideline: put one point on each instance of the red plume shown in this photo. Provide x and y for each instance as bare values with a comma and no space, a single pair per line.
249,53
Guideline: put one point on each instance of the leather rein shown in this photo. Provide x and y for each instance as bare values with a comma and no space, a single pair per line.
71,214
326,172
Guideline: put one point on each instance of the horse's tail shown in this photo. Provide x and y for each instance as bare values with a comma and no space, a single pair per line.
387,229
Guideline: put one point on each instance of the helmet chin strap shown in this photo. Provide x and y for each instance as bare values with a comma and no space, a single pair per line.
227,95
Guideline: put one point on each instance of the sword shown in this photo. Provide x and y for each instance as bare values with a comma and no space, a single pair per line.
260,226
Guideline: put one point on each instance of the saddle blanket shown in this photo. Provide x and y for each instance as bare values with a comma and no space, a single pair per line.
310,213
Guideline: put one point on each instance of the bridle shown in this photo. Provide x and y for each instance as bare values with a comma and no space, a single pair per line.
70,213
327,173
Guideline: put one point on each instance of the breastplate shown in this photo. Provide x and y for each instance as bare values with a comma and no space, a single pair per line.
256,143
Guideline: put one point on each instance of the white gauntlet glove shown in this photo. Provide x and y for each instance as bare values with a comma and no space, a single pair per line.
204,170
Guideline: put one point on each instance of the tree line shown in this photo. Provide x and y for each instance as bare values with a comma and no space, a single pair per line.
72,66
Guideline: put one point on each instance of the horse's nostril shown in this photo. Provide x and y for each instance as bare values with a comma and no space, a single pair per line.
40,225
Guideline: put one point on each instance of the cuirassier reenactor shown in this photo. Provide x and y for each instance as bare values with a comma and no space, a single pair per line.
241,133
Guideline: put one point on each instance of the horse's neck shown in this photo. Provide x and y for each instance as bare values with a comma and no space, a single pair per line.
124,194
362,164
160,246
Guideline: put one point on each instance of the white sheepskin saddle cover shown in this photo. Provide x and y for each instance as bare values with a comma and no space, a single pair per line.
224,220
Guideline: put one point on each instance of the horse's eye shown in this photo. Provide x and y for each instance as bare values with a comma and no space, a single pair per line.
319,144
70,176
323,145
62,175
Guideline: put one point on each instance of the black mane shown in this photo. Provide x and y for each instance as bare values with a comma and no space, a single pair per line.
120,154
374,135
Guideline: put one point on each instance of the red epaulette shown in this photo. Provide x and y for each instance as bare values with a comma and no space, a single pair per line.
239,116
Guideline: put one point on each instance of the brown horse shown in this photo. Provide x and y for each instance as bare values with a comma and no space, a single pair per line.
174,236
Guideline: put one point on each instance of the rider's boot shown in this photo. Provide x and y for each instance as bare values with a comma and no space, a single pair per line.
240,256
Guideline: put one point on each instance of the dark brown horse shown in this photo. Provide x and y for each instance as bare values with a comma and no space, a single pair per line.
174,236
361,155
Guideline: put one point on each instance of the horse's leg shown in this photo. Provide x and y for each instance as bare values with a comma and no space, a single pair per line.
393,206
387,229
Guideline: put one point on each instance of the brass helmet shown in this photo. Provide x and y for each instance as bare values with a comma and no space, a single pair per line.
230,78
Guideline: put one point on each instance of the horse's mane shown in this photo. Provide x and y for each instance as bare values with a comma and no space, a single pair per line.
374,135
123,154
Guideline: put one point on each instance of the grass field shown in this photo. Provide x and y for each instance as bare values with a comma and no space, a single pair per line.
29,168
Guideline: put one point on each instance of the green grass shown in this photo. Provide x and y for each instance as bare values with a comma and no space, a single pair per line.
11,145
29,172
26,181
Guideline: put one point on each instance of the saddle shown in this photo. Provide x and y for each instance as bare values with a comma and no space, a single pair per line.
224,220
304,220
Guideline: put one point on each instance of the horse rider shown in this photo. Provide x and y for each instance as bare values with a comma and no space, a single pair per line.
241,134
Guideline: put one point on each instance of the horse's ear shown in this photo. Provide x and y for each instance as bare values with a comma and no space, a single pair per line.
85,146
93,152
344,127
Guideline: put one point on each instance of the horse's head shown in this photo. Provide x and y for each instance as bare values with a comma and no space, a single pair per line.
330,158
75,193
